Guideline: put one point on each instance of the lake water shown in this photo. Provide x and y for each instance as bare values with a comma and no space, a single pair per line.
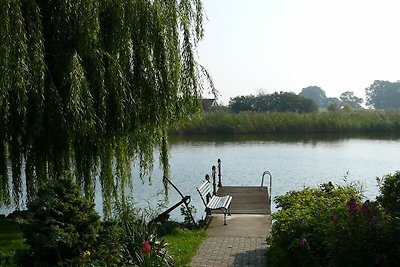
294,161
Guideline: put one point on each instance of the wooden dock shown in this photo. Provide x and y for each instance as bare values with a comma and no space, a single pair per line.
247,199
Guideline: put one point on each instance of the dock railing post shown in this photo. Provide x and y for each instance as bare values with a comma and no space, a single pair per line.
208,196
219,173
214,181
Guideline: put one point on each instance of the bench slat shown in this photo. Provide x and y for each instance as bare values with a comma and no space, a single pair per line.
216,202
204,189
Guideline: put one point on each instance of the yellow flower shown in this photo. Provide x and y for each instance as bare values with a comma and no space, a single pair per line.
86,254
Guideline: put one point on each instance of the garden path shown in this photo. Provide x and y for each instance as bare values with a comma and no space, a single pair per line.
238,244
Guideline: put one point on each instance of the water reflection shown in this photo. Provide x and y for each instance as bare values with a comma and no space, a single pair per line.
281,138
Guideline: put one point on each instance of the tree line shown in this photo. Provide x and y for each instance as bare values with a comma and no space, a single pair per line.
380,95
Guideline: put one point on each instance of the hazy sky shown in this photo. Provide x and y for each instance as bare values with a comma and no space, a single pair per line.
287,45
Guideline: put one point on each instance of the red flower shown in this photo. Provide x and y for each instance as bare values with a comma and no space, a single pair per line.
146,247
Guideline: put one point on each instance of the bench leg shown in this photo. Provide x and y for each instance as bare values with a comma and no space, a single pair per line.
225,218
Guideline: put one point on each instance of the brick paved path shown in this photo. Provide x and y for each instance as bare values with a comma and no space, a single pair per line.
226,251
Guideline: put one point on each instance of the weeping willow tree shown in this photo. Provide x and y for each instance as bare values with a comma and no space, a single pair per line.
87,86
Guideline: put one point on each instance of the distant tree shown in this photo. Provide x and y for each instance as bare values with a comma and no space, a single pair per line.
383,95
350,99
332,100
333,107
242,103
316,94
280,102
347,107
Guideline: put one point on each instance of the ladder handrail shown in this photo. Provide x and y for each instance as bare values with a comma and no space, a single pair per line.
270,183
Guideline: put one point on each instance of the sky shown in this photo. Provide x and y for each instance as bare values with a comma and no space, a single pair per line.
253,46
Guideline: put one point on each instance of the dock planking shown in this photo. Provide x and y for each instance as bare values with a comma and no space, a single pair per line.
247,199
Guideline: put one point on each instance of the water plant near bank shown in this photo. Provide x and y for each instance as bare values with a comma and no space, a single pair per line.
333,226
354,121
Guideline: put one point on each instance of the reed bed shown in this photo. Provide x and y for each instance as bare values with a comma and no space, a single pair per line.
357,121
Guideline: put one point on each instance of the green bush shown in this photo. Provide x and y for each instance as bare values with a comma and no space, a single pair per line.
390,193
66,231
65,224
126,241
331,226
362,237
298,236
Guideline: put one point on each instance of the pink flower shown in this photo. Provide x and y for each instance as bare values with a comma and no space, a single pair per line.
365,206
352,205
303,242
146,247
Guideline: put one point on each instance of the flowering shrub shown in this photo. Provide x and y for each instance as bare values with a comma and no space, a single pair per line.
67,231
126,241
360,236
300,226
331,226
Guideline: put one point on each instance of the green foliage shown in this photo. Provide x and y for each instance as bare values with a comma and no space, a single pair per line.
85,84
330,226
357,121
347,107
279,102
350,99
125,241
299,228
390,193
65,224
11,240
363,236
334,107
188,215
316,94
383,95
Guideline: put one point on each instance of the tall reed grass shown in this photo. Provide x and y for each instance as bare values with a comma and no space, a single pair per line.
356,121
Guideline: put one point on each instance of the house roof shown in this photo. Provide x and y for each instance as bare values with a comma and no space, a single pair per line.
208,103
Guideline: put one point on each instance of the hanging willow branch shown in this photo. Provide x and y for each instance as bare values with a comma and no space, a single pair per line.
86,86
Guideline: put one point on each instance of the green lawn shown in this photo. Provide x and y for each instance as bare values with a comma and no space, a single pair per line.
183,245
11,239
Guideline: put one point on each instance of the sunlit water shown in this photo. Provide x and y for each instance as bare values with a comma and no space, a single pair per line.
294,161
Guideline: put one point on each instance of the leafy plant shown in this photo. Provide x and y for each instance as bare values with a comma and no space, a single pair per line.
390,193
126,240
64,226
188,215
331,226
298,236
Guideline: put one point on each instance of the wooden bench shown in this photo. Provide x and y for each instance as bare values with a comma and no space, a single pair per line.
213,202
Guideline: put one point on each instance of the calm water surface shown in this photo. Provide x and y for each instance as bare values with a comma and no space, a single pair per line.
294,161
